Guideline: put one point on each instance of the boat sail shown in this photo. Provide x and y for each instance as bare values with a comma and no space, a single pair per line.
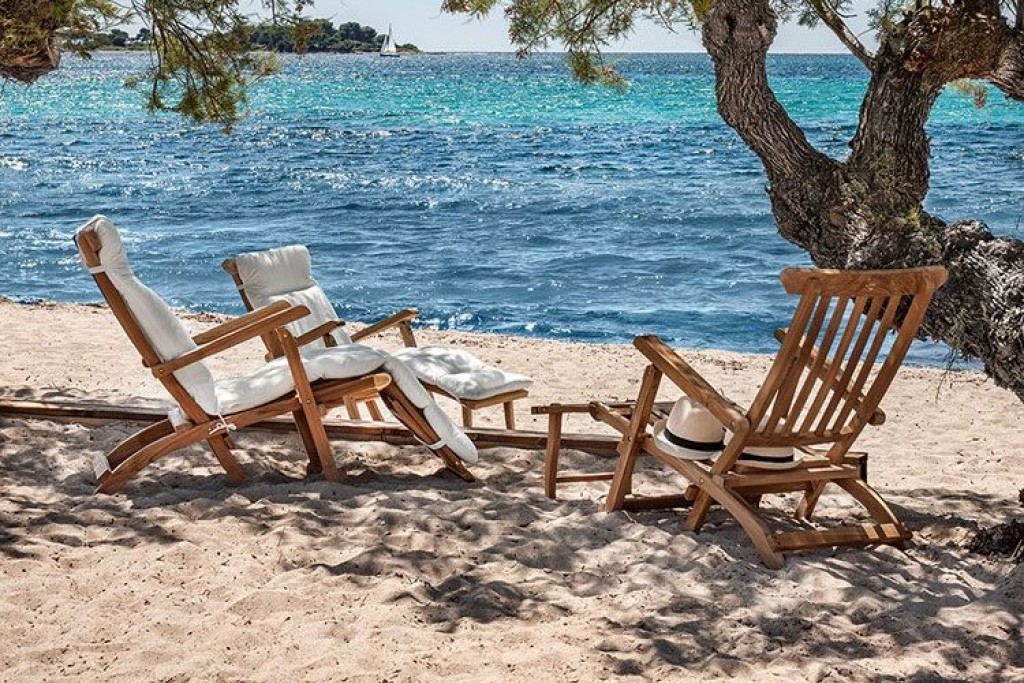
389,49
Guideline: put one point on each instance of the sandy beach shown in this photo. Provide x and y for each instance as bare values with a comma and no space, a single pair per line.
405,573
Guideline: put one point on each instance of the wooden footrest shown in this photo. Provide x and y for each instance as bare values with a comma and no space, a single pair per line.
865,534
796,476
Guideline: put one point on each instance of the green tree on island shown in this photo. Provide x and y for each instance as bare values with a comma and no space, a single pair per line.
865,211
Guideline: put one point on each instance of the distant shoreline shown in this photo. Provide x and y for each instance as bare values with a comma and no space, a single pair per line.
107,50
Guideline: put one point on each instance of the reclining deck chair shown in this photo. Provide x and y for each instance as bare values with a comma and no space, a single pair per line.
285,273
822,390
210,409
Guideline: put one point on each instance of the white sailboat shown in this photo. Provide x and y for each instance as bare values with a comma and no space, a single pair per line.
389,49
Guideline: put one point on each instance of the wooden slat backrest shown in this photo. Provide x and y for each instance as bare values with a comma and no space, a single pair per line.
825,384
89,246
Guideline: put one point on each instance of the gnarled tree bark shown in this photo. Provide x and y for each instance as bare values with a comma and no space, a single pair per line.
866,211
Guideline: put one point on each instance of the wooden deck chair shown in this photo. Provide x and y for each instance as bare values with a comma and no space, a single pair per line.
211,409
285,273
823,388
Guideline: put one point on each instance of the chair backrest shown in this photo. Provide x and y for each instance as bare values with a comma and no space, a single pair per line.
284,274
824,385
149,322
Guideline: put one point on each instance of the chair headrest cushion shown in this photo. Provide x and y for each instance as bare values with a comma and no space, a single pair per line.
275,271
113,258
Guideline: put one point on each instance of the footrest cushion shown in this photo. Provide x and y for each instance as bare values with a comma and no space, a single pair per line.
460,373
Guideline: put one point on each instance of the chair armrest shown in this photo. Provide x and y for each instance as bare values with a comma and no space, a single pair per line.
400,318
318,332
876,418
693,385
240,322
255,328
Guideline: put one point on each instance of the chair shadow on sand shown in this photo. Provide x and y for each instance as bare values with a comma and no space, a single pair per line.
502,552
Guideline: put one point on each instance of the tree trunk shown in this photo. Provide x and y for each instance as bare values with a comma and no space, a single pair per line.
866,211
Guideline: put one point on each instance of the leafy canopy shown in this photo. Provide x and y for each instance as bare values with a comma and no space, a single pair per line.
201,62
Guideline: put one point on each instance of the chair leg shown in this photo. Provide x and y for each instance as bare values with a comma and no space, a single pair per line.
869,498
321,445
220,447
510,415
809,500
629,447
551,454
138,440
313,465
699,512
128,464
747,516
310,408
467,417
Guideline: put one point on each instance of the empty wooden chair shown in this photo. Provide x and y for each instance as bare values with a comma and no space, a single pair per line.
285,273
822,390
210,409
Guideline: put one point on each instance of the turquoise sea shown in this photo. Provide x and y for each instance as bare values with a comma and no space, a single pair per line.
495,194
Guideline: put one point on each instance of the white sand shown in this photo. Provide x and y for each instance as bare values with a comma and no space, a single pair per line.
405,573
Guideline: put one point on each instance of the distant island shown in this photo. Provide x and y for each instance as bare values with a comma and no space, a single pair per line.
312,35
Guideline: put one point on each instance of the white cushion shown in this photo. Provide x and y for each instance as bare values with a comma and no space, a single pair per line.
320,312
274,379
274,271
284,274
448,432
159,324
460,373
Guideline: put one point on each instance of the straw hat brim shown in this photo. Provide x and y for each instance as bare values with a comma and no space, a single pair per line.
676,450
797,458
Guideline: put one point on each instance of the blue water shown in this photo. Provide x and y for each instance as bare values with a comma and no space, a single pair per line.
495,194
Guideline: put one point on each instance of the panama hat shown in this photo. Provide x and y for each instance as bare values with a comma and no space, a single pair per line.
689,432
768,457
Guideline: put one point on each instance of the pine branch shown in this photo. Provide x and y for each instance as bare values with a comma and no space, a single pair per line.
831,18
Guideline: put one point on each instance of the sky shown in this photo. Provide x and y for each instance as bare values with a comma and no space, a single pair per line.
422,23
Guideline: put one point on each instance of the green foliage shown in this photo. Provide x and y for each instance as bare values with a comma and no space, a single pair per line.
28,46
202,64
203,59
316,35
583,27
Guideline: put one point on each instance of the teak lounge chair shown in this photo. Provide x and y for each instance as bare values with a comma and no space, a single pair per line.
285,273
822,390
301,385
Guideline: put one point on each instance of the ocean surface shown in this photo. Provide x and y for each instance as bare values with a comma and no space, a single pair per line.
494,194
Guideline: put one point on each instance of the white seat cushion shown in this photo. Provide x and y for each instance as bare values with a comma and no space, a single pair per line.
274,379
460,373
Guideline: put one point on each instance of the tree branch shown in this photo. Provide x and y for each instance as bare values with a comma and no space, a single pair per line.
737,35
1009,74
831,18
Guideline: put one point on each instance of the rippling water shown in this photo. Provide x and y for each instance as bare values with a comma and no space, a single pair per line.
495,194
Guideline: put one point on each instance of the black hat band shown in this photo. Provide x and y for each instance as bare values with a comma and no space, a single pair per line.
702,446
